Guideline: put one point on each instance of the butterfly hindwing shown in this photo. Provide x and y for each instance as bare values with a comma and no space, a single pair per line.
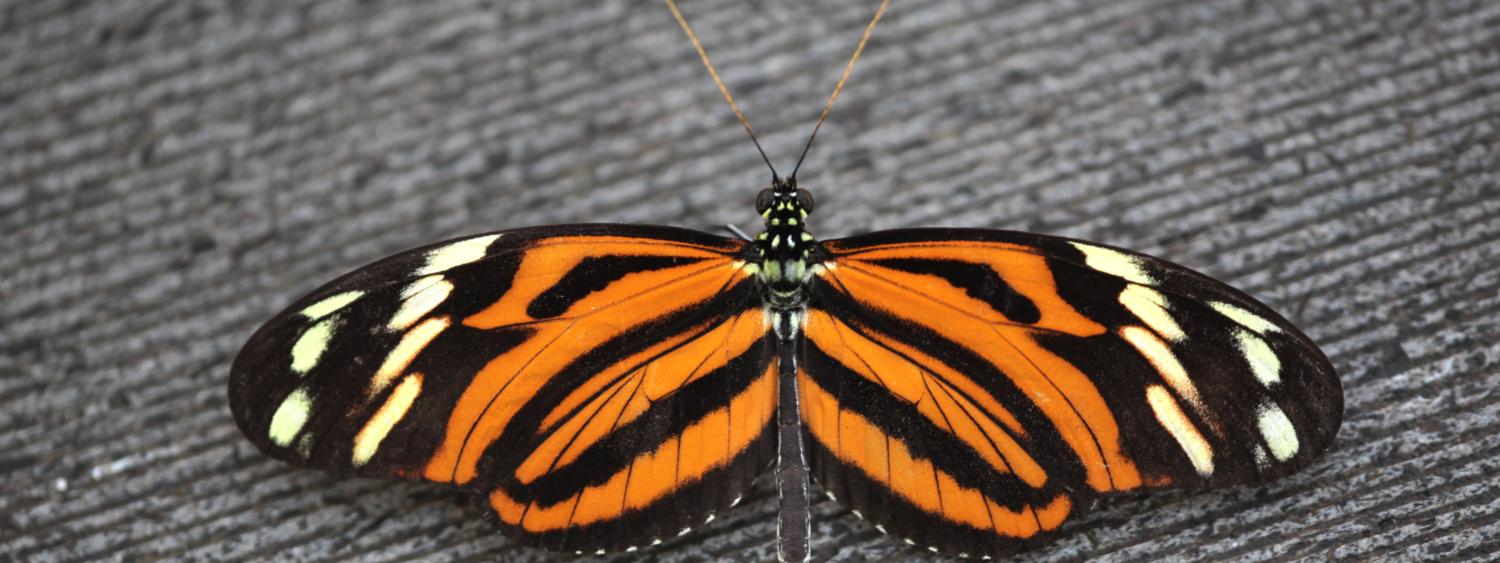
973,389
596,386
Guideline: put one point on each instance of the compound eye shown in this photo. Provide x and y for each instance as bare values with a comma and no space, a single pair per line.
764,200
805,199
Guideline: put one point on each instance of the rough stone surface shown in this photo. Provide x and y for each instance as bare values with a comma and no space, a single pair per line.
173,173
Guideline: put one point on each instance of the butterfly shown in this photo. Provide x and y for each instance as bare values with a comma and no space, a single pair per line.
606,387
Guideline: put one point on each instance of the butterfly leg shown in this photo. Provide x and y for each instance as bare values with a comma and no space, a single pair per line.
737,232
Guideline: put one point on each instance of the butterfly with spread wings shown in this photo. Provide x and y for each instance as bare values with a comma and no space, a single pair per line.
607,387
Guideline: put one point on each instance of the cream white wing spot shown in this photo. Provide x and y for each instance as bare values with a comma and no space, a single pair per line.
1176,422
1278,431
456,254
304,445
1150,306
1161,357
290,417
368,440
309,347
1115,263
1262,359
331,304
405,351
419,298
1244,318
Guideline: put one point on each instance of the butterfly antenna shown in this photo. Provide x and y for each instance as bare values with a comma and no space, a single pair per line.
671,4
849,68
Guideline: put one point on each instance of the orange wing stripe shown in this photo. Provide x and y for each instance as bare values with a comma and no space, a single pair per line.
508,381
653,374
887,461
949,399
711,442
1021,268
545,264
1064,394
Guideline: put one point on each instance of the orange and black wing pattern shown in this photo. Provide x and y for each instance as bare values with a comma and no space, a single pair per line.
595,386
971,390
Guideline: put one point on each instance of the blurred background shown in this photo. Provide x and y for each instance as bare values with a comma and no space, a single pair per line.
172,173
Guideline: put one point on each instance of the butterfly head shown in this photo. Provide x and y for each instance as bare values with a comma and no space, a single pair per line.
784,205
785,208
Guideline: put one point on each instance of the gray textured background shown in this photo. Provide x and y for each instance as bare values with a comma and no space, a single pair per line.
173,173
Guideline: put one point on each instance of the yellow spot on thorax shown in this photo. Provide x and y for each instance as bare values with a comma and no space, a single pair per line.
772,269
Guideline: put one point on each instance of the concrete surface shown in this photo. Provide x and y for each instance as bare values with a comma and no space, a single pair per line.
173,173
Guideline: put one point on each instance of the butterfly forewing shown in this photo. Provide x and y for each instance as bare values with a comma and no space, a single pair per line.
596,386
972,389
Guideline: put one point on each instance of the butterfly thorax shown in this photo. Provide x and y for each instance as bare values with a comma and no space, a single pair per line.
783,252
